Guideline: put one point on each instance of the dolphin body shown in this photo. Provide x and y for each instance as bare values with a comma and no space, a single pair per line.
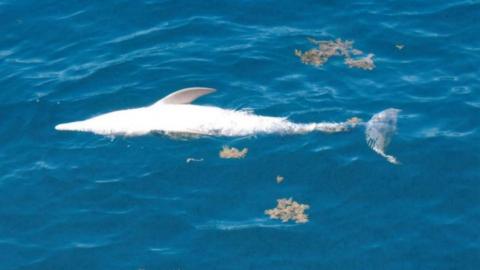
174,114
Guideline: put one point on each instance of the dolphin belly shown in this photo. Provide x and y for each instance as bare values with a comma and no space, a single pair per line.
206,120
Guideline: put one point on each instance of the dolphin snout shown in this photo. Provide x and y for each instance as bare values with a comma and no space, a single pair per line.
67,126
61,127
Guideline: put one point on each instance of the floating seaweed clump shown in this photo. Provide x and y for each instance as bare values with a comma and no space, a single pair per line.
312,57
288,209
363,63
232,152
328,48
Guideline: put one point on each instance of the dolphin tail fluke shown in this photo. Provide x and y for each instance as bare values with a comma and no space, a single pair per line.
380,130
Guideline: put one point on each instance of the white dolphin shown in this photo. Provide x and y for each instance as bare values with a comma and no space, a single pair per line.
175,114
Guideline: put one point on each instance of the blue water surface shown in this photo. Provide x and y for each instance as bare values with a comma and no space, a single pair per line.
83,201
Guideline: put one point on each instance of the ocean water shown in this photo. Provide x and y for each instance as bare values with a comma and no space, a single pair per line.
82,201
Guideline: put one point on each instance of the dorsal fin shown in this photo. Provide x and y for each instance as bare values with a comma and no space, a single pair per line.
184,96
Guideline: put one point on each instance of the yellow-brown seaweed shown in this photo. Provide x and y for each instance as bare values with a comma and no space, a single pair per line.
232,152
328,48
363,63
288,209
354,121
312,57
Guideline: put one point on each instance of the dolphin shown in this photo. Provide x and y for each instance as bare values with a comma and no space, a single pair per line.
174,114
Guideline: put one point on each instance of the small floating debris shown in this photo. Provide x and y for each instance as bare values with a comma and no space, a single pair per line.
280,179
354,121
288,209
328,48
363,63
399,46
232,152
194,160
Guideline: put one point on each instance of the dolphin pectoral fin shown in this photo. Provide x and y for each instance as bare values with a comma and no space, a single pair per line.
185,96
